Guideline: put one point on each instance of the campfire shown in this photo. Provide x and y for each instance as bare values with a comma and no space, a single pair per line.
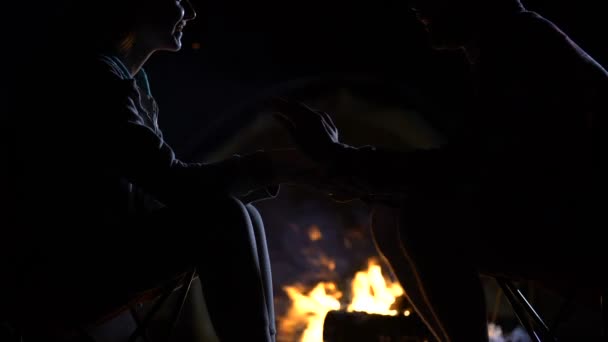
370,307
374,298
370,292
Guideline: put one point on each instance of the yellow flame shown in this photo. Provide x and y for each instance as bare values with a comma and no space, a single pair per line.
371,293
310,310
314,233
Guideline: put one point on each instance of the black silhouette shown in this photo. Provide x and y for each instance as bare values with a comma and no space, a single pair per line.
513,195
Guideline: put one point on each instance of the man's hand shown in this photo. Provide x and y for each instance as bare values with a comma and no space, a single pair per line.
318,138
313,131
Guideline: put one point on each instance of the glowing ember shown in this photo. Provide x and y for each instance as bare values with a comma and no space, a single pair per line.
371,293
326,262
314,233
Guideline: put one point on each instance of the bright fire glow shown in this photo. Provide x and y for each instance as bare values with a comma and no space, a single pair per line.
371,293
309,311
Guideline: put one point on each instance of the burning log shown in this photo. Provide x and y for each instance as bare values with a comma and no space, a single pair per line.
340,326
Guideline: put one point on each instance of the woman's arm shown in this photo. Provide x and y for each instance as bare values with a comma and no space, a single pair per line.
133,150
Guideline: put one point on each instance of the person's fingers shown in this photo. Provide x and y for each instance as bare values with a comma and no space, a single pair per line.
298,117
328,119
330,131
298,108
286,122
284,119
301,112
307,120
286,102
282,105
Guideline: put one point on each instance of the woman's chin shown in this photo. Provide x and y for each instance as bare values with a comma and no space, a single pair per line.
174,47
177,40
173,44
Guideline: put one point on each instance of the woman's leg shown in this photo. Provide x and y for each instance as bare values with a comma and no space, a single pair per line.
229,267
106,271
264,264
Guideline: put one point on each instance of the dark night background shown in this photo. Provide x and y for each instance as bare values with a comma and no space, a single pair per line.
248,47
367,62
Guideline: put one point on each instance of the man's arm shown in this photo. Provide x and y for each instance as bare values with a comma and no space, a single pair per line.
385,172
373,171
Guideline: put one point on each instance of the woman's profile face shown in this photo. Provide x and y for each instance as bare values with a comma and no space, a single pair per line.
161,23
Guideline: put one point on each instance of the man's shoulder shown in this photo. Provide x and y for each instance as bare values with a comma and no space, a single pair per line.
542,37
537,35
520,37
538,46
534,19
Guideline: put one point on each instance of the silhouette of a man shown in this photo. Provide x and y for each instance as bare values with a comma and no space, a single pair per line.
513,197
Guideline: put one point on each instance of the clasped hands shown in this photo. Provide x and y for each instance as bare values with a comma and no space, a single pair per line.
320,159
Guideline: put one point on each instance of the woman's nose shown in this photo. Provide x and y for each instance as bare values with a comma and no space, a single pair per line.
189,12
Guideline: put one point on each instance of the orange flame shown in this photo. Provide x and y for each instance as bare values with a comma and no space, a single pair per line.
309,311
371,293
